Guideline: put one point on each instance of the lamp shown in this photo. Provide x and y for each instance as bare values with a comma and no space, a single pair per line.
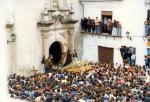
13,38
128,35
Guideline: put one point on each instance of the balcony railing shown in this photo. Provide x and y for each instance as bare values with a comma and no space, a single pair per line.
101,34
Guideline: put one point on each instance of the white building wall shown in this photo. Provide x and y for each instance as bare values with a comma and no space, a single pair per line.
91,44
131,14
3,52
28,43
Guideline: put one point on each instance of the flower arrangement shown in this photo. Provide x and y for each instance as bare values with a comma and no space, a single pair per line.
78,66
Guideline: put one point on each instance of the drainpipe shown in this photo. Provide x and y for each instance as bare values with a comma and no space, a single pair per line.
82,7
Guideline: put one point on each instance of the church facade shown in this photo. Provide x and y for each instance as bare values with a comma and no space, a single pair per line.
34,39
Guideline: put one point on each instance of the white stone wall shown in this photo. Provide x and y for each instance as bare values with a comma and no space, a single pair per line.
3,52
91,44
131,14
26,14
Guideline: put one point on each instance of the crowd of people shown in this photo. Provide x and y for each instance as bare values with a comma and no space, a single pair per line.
128,54
96,26
104,83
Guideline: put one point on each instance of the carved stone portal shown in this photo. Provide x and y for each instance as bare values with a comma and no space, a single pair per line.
57,29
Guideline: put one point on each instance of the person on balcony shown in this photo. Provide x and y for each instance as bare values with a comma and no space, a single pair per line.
97,28
89,25
93,26
85,24
100,26
118,28
105,25
114,30
82,24
147,27
109,26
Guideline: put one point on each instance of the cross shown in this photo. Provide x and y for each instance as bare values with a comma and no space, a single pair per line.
34,70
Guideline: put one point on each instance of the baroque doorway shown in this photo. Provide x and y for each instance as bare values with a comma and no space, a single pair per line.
56,51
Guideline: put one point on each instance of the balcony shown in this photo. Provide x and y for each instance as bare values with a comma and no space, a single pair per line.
107,35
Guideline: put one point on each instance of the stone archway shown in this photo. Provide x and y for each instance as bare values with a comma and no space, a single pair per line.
56,51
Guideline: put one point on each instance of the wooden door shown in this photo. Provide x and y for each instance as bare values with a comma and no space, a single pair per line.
105,54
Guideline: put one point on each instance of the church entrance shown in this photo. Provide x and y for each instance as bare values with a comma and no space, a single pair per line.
105,54
56,51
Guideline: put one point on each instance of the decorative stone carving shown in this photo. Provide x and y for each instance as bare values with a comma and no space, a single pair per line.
55,20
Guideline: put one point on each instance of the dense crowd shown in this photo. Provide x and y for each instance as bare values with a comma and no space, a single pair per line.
96,26
104,83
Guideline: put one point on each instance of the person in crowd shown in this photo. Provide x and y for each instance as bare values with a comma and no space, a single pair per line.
105,24
129,54
42,64
147,27
97,26
114,30
43,60
146,61
148,58
109,26
126,53
122,50
118,28
93,26
133,58
40,99
89,25
75,54
48,64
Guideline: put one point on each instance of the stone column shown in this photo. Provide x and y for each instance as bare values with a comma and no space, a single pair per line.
66,36
43,44
72,40
69,32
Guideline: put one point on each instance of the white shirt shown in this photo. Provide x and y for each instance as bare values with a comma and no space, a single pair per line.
133,57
